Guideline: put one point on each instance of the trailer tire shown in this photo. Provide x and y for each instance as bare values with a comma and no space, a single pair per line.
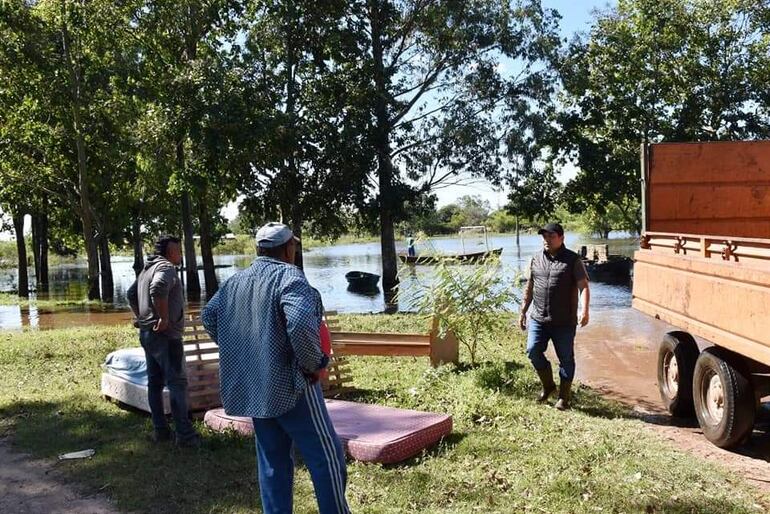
677,354
724,398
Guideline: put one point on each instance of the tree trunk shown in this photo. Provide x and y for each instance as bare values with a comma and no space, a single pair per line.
36,248
190,260
384,164
293,192
209,274
42,282
21,251
296,227
136,238
92,254
517,229
108,287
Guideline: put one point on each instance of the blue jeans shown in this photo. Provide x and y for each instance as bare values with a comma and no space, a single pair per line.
563,339
309,427
166,366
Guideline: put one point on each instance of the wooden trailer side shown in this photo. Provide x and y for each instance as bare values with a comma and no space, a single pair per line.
720,188
724,302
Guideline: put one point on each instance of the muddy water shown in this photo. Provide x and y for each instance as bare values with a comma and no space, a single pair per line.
325,268
617,353
13,316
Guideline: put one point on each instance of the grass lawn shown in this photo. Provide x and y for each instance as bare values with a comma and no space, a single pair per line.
507,454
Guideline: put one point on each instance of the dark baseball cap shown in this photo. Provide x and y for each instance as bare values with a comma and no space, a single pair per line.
552,227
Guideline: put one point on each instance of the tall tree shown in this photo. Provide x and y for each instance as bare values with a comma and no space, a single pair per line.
178,39
438,91
314,154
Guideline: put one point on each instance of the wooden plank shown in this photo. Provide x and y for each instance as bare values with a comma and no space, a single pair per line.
709,235
200,351
389,350
710,162
204,393
192,384
379,338
346,345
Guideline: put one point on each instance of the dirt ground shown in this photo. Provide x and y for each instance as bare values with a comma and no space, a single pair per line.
617,355
30,486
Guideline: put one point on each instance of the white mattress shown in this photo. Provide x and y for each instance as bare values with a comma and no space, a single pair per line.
130,393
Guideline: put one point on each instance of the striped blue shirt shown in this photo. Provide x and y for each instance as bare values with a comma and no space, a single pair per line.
266,321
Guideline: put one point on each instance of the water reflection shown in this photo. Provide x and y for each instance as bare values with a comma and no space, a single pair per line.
325,269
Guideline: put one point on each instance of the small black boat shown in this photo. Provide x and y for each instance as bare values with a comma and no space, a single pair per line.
362,280
616,269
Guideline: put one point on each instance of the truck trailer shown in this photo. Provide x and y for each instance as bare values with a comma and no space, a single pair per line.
703,266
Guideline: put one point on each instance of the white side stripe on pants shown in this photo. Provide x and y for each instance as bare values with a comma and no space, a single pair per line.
329,448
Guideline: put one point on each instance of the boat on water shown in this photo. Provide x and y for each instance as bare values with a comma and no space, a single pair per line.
362,280
463,256
616,268
435,258
603,267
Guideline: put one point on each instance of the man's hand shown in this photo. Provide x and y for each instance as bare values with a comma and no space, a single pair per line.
523,321
313,377
584,319
161,325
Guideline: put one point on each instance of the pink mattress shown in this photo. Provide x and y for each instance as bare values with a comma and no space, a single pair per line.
369,433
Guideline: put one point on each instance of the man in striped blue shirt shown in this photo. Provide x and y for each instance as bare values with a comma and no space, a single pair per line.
266,321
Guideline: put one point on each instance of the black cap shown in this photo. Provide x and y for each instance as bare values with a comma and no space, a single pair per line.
552,227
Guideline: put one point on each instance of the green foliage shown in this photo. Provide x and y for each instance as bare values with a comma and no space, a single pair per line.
534,193
501,221
242,245
468,300
601,224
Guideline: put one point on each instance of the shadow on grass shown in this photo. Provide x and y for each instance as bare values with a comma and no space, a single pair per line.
445,445
137,474
365,395
514,379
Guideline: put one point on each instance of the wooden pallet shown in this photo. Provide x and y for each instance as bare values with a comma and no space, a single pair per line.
441,350
202,356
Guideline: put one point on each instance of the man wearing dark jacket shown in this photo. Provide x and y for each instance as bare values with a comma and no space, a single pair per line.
158,304
556,275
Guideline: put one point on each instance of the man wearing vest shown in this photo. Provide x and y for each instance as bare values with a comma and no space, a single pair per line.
555,277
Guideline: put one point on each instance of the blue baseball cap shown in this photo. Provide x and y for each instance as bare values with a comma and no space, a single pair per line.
274,234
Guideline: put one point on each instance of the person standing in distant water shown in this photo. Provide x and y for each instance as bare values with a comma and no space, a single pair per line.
157,302
410,251
555,277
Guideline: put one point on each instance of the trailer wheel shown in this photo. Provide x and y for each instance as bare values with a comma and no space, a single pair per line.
676,362
724,399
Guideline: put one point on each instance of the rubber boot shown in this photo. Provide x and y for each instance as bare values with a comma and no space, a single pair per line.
549,386
565,391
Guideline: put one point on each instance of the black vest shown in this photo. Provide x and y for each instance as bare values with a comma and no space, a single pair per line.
555,291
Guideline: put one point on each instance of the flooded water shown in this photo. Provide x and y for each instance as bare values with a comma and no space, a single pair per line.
325,268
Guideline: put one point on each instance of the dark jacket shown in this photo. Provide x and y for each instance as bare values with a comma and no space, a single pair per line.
158,279
554,287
